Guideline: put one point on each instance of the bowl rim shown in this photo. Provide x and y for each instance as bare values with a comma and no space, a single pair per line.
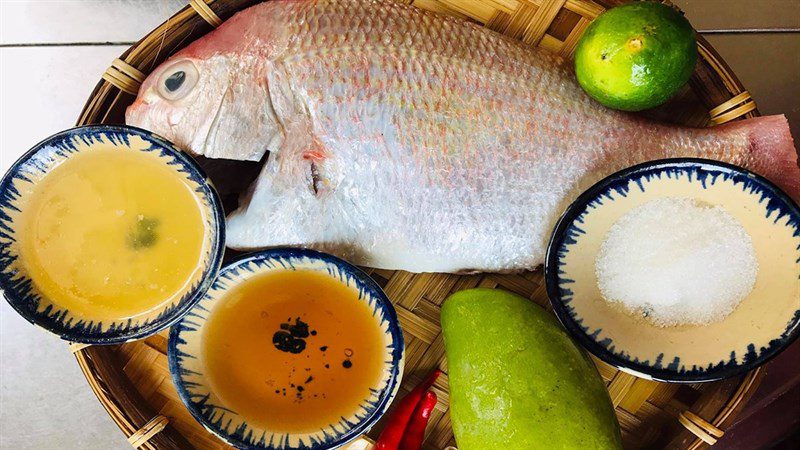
217,217
791,333
398,354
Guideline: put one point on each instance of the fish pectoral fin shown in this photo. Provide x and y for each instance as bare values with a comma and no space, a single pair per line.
300,140
315,150
302,150
274,144
315,153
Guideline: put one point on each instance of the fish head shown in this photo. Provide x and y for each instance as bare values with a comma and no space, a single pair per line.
213,106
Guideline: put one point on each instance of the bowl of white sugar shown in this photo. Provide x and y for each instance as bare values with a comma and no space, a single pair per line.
681,270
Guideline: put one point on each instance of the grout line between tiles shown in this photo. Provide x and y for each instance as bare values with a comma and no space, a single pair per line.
64,44
749,30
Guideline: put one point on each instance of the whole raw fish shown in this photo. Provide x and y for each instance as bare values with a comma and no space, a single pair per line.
403,139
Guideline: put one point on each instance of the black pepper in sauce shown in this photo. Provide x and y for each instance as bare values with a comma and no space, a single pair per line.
291,337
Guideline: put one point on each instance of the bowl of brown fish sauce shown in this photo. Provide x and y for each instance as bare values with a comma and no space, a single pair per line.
289,348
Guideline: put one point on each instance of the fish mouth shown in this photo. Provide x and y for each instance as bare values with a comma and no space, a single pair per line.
140,112
136,115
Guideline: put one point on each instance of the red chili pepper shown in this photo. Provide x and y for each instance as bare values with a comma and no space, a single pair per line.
415,431
396,424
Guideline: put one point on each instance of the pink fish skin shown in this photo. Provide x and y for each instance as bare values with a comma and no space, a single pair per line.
403,139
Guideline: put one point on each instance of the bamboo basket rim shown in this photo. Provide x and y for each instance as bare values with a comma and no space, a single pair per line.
147,429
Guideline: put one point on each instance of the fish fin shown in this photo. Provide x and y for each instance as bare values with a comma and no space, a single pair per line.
772,151
281,100
300,139
315,150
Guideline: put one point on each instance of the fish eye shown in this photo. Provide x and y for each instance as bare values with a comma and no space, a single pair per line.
178,80
174,81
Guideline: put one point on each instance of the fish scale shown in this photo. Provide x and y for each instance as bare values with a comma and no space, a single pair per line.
402,139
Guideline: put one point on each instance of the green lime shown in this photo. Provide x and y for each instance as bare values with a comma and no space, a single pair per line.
636,56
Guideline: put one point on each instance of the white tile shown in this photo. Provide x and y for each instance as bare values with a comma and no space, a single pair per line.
42,91
45,402
82,20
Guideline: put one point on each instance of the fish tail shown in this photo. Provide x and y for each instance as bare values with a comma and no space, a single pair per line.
772,151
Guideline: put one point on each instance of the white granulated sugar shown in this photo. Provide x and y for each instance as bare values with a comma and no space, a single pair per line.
676,261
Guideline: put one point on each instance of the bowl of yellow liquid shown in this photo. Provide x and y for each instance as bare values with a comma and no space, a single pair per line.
288,349
107,234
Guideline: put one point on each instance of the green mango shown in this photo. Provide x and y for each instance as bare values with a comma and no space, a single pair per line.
517,381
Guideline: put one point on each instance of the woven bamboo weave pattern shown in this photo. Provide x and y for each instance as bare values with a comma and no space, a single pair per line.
132,380
553,24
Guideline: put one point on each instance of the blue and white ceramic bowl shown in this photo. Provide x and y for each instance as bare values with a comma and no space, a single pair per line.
187,367
15,189
763,324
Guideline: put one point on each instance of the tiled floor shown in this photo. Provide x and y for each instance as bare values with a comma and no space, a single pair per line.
53,52
45,402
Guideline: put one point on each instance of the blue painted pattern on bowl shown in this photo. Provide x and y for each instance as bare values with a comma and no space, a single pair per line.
763,324
187,367
21,291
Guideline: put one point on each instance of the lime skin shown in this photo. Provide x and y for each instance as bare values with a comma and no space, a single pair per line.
636,56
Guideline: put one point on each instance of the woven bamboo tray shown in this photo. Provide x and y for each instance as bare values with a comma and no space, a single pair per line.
132,380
